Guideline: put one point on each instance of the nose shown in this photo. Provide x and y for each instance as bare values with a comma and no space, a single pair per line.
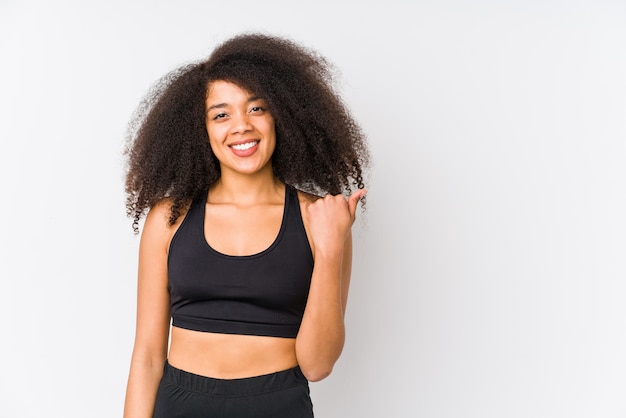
241,123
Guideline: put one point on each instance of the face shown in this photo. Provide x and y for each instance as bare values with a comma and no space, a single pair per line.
241,129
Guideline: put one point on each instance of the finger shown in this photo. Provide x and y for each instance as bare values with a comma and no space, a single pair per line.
353,200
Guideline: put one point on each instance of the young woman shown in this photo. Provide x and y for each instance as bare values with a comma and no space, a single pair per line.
250,169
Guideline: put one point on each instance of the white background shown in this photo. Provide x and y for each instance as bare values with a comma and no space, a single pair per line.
490,268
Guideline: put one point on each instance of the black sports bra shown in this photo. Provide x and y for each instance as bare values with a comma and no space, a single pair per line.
260,294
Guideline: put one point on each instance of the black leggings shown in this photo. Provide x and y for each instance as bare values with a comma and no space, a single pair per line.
277,395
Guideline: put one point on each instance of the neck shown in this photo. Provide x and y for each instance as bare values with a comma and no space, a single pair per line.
245,189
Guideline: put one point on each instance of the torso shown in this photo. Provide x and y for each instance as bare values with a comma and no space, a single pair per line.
230,356
239,231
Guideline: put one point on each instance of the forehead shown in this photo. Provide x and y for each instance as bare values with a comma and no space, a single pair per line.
222,89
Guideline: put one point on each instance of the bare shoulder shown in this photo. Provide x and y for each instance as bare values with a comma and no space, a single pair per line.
306,198
160,212
157,224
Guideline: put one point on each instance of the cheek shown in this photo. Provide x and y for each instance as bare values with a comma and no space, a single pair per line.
212,142
212,145
213,134
270,128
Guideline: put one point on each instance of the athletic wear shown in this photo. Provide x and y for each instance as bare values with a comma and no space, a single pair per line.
260,294
283,394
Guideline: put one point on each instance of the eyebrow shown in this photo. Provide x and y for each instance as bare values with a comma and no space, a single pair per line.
223,105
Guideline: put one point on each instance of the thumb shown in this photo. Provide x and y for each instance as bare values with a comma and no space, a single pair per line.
353,200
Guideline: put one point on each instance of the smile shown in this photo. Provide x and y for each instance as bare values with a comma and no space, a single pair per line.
244,146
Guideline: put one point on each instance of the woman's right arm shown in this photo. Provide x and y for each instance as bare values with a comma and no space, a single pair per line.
153,316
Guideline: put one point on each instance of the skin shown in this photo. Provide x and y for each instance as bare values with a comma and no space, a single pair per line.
243,216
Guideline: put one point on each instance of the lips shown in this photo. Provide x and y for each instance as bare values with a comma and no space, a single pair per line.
245,148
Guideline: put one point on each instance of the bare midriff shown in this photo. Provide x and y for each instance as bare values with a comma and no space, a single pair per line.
230,356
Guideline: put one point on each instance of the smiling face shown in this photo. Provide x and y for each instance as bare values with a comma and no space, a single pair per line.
240,127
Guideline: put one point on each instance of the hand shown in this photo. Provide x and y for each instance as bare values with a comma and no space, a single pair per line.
330,220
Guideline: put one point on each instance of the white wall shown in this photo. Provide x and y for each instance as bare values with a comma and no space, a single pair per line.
489,276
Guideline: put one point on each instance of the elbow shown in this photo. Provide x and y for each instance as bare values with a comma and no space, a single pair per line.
316,373
317,359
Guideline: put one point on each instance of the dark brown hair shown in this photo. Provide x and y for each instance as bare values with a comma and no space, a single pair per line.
319,146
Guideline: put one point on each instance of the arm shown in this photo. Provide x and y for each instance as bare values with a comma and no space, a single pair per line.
153,316
322,333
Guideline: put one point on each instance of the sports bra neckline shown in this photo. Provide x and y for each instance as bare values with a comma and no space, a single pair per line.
274,243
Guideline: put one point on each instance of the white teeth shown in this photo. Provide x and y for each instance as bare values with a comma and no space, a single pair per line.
243,147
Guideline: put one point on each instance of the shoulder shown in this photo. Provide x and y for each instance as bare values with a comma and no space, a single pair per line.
157,226
306,198
160,213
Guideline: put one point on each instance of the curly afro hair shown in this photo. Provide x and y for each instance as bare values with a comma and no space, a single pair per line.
319,146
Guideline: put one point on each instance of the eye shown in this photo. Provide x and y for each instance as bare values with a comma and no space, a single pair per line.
219,116
257,109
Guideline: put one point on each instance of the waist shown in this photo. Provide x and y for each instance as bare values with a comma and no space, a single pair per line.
239,387
230,356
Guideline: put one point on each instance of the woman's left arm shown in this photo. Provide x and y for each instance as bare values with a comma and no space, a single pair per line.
322,333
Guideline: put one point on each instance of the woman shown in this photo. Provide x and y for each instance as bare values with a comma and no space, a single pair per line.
228,157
